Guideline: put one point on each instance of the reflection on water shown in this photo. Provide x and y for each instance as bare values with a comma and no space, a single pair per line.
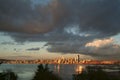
57,68
26,71
79,69
66,71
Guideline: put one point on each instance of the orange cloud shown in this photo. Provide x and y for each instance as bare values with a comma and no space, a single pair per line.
100,43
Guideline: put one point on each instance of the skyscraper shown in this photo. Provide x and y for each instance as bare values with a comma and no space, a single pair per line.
78,58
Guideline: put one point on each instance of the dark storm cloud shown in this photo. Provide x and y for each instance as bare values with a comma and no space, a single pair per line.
49,37
109,49
20,16
67,25
65,47
33,49
106,52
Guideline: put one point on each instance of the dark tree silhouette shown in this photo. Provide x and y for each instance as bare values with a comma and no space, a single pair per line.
1,63
43,73
94,73
8,75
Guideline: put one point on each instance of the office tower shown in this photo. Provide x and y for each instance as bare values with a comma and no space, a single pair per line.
78,58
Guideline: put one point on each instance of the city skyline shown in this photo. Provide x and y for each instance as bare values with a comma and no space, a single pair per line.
33,29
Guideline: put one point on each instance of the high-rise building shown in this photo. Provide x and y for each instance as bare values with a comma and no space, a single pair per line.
78,58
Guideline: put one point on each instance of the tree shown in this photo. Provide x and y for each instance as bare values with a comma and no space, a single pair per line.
43,73
8,75
94,73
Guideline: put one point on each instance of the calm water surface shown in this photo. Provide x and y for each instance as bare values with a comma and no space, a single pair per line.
26,71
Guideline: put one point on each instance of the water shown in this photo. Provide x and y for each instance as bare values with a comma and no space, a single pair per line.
26,71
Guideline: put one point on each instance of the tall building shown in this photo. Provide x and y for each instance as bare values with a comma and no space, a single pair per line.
78,58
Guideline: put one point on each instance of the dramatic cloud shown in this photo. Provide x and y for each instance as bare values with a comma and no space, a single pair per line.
103,47
94,15
100,43
21,16
33,49
66,47
98,48
68,26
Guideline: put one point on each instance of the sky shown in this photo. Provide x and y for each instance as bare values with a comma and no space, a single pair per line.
33,29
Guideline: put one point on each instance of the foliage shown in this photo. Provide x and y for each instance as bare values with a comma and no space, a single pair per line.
43,73
8,75
94,73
